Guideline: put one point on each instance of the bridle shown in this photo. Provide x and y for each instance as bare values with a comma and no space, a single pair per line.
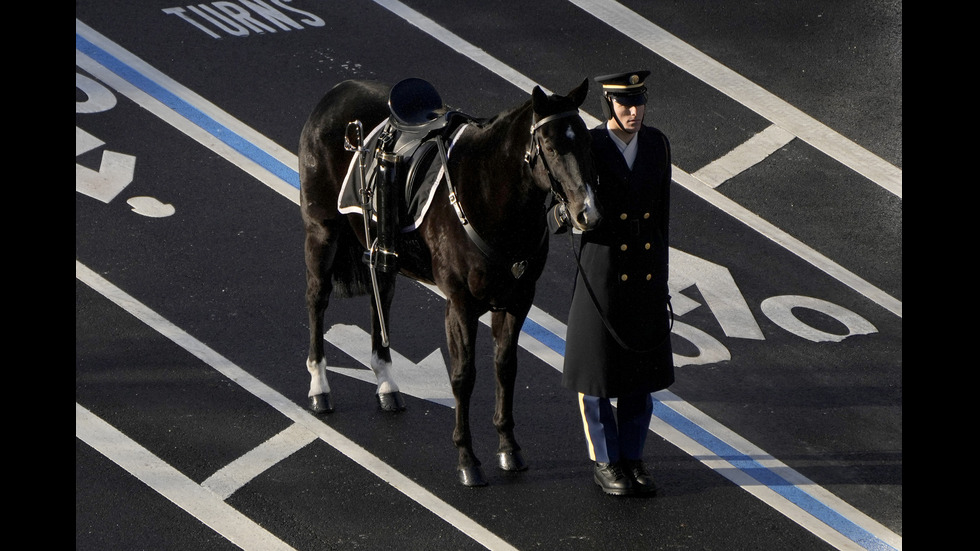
533,153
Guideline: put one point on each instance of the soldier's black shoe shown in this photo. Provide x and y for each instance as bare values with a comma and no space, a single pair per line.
642,481
612,479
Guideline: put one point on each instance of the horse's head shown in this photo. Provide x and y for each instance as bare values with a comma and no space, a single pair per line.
560,153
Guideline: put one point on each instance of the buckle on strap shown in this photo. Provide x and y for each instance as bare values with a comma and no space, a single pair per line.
459,208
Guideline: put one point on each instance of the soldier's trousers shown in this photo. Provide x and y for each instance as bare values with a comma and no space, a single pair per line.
617,435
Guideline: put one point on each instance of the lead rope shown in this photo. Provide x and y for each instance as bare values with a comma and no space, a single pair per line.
602,314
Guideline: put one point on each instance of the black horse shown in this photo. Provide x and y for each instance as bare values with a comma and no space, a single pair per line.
501,173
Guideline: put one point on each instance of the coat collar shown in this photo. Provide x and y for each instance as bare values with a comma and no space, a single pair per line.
608,149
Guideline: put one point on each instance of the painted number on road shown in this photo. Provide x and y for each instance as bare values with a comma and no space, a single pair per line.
722,296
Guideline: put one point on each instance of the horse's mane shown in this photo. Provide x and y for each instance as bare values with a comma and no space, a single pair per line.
498,133
508,114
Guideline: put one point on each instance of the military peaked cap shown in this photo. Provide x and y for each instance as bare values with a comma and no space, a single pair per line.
625,88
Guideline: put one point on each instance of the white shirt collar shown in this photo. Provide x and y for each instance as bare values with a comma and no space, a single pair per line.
627,149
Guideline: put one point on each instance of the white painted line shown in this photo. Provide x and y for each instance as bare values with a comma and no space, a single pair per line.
458,45
720,202
173,115
743,157
743,480
788,242
292,411
239,472
170,483
712,73
252,156
790,475
745,92
805,502
467,49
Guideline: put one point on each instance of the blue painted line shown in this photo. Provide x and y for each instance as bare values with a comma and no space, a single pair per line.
770,479
290,175
738,459
544,336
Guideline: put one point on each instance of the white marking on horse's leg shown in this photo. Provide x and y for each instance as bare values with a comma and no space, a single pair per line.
318,377
382,370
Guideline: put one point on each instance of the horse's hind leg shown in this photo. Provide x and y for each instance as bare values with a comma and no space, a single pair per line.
321,249
389,397
506,327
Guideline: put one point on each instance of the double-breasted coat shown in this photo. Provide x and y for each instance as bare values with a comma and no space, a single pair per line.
624,263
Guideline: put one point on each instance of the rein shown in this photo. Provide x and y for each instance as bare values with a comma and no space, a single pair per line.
602,314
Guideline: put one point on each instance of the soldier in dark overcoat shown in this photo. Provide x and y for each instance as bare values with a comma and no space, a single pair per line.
618,337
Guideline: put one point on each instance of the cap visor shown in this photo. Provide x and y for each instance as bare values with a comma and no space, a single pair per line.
631,100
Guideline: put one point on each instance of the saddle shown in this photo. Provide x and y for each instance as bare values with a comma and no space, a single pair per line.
410,141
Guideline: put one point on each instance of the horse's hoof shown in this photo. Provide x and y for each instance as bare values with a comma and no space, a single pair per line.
511,461
471,476
321,403
391,401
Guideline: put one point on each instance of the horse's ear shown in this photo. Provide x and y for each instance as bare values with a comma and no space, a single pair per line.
578,95
539,100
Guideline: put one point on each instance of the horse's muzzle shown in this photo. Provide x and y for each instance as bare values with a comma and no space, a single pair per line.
586,217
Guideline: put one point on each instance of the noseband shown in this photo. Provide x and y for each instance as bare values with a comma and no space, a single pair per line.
534,152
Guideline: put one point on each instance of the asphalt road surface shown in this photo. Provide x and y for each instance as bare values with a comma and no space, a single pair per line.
783,430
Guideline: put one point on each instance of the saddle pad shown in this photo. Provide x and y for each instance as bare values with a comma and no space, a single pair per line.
416,201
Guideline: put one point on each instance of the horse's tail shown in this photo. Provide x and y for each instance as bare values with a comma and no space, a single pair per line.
351,276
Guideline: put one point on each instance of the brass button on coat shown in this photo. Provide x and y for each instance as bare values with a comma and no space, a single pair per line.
623,247
624,277
622,216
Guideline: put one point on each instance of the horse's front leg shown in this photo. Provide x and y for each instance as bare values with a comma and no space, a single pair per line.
461,327
506,327
389,397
